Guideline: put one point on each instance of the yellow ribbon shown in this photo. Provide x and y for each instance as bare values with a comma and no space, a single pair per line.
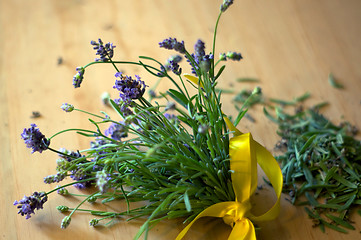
245,153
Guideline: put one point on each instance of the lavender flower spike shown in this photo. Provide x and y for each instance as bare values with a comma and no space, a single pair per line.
117,131
173,44
105,52
27,205
78,77
234,56
35,139
225,5
129,88
67,107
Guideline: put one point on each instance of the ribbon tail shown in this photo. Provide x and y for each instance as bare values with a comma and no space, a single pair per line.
272,170
243,230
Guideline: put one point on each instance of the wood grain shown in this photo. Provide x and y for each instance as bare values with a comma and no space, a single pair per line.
291,46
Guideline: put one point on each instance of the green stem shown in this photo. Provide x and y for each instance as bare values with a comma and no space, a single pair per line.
70,184
72,212
73,129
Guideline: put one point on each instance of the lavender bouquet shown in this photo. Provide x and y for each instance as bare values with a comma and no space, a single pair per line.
179,159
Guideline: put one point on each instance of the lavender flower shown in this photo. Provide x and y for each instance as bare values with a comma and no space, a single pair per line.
225,5
27,205
105,52
129,88
117,131
171,64
65,222
173,44
35,139
199,49
54,178
94,222
62,208
80,174
234,56
201,60
62,191
222,57
78,77
67,107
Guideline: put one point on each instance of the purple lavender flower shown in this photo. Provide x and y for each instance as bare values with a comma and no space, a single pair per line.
80,174
225,5
105,52
67,107
172,64
173,44
78,77
54,178
35,139
129,88
199,49
27,205
234,56
117,131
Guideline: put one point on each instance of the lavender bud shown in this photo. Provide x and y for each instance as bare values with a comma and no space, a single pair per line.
62,208
94,222
67,107
225,5
234,56
65,222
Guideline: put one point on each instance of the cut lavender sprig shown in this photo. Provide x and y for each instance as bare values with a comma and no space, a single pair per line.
28,205
78,77
35,139
173,44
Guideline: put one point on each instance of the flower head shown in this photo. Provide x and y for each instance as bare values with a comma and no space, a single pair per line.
67,107
234,56
173,44
35,139
117,131
94,222
129,88
27,205
65,222
78,77
225,5
202,60
105,52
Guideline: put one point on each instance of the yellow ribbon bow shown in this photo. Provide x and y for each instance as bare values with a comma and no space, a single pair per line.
245,153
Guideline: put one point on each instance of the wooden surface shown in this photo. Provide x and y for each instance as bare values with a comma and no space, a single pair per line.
291,46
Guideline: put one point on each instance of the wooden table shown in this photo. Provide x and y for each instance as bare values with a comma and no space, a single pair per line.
291,46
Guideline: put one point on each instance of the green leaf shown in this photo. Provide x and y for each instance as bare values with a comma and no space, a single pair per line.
340,221
178,97
187,202
307,144
247,79
333,83
219,72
